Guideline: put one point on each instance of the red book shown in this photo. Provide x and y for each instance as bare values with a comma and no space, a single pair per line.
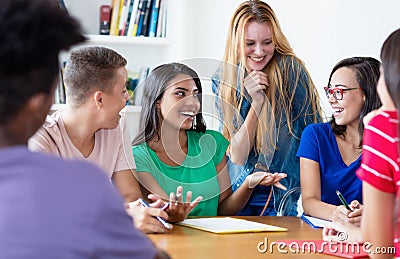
105,16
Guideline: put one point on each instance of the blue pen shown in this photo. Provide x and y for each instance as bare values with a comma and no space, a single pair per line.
343,200
165,223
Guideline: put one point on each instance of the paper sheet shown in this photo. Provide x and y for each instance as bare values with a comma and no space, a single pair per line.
315,222
228,225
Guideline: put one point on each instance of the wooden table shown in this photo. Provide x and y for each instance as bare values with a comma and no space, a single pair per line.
185,242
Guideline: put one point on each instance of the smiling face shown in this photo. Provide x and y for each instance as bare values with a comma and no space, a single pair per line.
115,100
259,47
346,111
179,103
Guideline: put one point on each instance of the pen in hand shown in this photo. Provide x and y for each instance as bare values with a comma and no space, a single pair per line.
343,200
165,223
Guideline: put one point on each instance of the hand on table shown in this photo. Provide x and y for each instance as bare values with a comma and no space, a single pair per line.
145,218
342,232
345,215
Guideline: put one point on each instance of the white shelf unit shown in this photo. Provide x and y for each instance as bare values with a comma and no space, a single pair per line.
139,51
125,40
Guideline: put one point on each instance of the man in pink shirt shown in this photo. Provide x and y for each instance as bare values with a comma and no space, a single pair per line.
91,128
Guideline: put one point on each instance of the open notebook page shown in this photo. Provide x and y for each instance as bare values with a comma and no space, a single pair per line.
228,225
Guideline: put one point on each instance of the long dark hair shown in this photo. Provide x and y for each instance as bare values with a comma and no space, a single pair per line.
154,88
367,73
390,56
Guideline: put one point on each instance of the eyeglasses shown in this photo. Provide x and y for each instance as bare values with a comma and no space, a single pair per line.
337,92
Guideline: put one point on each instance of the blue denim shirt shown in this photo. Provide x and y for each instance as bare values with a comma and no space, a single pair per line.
284,157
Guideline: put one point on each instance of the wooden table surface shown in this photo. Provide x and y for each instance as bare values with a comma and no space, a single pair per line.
185,242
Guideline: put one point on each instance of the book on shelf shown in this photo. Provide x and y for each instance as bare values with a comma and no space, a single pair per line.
59,94
105,16
146,19
133,77
137,17
123,16
138,93
154,18
128,18
133,17
141,17
162,19
114,17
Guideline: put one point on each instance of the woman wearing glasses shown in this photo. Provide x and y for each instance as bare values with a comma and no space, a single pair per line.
330,152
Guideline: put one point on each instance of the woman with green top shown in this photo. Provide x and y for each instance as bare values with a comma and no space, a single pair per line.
174,151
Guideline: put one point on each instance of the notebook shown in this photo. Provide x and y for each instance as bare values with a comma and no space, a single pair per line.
225,225
315,222
345,250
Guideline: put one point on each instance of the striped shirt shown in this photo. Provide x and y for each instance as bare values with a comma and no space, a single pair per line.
380,162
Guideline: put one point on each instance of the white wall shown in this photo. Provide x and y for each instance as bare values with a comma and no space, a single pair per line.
321,32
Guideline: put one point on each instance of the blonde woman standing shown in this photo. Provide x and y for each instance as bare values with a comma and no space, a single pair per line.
266,98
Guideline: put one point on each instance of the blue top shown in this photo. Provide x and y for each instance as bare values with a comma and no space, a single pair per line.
319,144
284,157
52,208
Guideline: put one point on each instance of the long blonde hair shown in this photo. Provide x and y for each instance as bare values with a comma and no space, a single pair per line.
278,77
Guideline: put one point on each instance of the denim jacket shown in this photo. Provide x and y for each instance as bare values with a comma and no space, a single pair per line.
284,157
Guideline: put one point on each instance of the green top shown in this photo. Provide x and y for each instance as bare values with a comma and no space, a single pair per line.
198,172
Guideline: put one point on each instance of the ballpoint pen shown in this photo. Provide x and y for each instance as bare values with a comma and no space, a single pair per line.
343,200
165,223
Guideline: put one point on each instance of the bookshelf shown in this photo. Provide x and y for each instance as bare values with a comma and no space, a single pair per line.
140,51
125,40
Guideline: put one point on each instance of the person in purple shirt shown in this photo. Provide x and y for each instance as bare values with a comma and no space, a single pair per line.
50,208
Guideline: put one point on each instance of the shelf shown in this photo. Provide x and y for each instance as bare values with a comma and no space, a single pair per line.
128,108
124,40
132,108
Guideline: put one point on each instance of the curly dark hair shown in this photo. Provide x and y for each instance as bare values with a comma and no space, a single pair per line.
32,33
